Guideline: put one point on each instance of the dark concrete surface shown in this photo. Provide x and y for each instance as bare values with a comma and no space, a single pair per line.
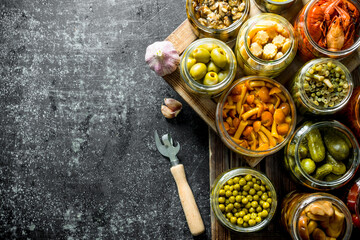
78,107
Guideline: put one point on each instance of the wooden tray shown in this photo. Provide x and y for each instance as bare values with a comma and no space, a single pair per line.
220,157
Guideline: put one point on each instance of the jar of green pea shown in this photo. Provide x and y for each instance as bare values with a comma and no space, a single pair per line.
322,86
243,200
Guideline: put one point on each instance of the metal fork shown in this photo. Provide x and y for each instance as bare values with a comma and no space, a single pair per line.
167,148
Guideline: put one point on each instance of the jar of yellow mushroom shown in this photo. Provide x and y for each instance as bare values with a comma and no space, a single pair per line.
266,45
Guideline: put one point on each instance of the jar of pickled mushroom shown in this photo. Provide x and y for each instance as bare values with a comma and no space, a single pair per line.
217,19
350,114
274,6
255,117
353,203
266,45
315,216
243,200
322,155
328,28
322,86
208,66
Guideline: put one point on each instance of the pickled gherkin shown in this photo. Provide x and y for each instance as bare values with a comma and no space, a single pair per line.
316,145
322,171
339,168
336,145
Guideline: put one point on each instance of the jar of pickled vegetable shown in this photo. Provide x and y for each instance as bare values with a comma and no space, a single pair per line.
353,203
274,6
350,114
255,117
322,86
217,19
328,28
322,155
315,216
266,45
243,200
208,66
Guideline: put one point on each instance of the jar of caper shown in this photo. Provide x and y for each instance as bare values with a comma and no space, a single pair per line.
322,86
322,155
243,200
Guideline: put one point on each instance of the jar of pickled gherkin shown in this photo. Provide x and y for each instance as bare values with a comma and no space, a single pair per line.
243,200
208,66
266,45
322,155
322,86
217,19
305,214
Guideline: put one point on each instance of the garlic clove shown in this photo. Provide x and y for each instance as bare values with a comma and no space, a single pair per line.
171,108
167,112
173,104
162,57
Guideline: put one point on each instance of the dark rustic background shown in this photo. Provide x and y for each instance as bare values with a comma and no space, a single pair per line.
78,107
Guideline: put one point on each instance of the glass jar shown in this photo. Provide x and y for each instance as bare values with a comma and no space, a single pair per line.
308,47
227,34
255,65
231,142
305,103
353,203
222,179
350,114
326,178
274,6
199,88
293,209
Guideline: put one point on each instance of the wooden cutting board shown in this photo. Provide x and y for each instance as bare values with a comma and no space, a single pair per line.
220,157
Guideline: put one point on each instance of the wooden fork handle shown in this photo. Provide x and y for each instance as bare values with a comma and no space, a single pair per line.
187,199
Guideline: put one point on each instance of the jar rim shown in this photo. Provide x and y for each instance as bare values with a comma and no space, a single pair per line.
232,27
285,23
306,99
185,73
321,49
319,196
315,183
280,3
229,142
221,180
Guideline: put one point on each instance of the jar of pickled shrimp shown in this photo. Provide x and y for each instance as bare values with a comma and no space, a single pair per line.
315,216
274,6
336,37
266,45
353,202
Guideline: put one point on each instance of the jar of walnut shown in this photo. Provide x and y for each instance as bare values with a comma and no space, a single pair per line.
219,19
266,45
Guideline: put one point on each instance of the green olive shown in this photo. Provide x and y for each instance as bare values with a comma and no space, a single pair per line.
198,71
201,55
211,67
308,165
190,62
218,56
211,78
209,46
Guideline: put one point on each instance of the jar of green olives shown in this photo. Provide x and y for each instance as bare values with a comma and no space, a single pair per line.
274,6
266,45
315,216
322,86
208,66
322,155
243,199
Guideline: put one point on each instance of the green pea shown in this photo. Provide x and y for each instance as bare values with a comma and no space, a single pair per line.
240,221
228,193
246,188
236,180
264,213
232,199
254,204
258,219
252,191
237,205
230,182
259,209
251,210
230,206
242,182
246,218
266,205
237,186
248,177
244,200
222,192
226,187
229,215
221,199
238,198
222,207
241,213
235,193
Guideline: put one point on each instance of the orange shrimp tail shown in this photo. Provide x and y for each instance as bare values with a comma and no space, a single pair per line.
335,38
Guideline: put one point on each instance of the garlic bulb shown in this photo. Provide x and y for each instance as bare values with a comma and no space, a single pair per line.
171,108
162,57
